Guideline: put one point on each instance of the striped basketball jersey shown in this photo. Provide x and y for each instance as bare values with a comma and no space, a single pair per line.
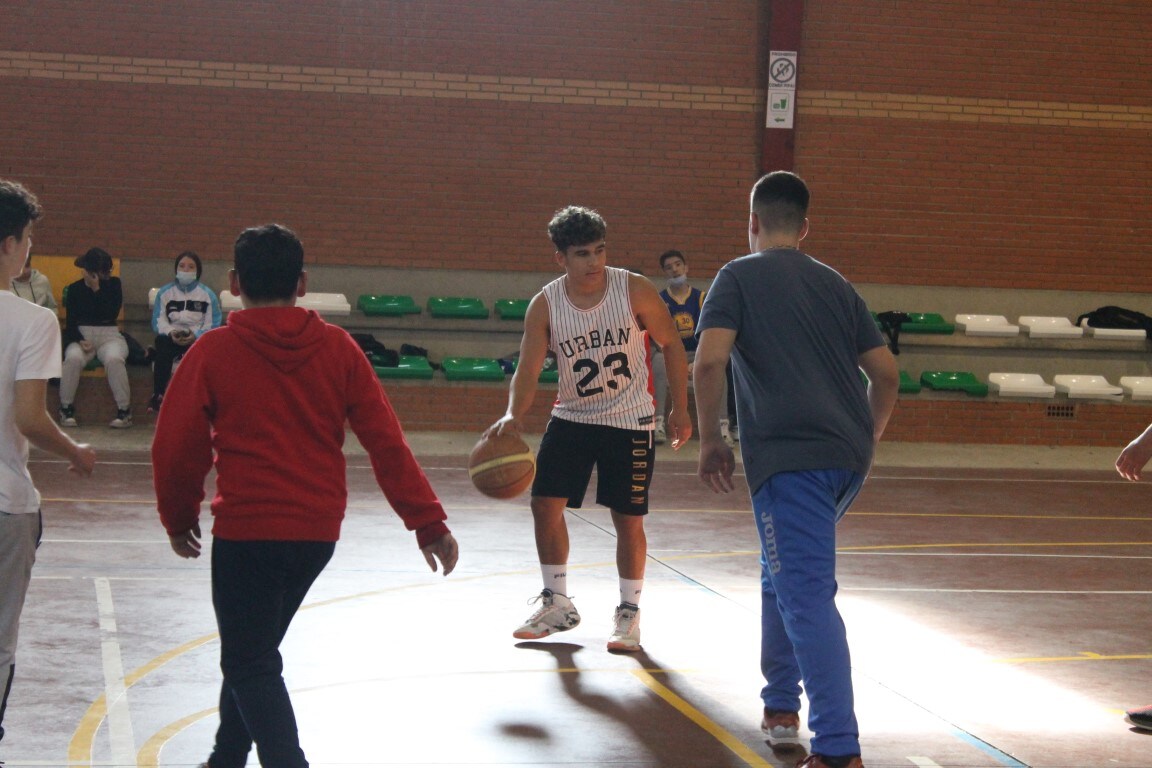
602,357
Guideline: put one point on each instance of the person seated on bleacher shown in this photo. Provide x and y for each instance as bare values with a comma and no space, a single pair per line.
91,307
183,310
34,286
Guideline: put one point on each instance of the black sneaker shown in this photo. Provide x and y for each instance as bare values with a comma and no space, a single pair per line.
67,415
123,419
1140,718
154,403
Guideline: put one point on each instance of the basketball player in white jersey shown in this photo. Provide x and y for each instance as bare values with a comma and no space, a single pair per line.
597,319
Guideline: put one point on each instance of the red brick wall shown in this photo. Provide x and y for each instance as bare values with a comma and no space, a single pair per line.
395,133
980,143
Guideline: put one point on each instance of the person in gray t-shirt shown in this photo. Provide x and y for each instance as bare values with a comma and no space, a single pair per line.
798,335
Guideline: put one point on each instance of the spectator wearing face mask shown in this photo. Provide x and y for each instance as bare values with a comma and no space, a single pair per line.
183,311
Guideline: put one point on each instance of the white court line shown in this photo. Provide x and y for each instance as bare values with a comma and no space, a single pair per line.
115,691
923,762
847,553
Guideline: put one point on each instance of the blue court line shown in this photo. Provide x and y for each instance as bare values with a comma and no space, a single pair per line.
1000,757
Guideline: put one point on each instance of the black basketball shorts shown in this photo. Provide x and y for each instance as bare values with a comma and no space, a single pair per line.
623,459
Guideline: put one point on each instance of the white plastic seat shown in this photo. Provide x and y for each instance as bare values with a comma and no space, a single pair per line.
228,301
1113,333
1137,387
1050,327
1020,385
1077,385
986,325
325,303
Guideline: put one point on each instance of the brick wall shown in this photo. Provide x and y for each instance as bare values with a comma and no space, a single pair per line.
980,143
392,133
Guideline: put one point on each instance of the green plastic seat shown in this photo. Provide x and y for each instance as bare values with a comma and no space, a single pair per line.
927,322
549,374
472,369
387,305
409,367
908,385
511,309
458,307
959,381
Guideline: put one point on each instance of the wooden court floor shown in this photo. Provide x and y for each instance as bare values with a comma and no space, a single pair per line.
997,616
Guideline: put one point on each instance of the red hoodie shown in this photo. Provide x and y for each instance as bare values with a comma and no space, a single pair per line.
269,394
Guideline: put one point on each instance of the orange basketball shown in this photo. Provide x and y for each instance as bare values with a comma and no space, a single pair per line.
501,466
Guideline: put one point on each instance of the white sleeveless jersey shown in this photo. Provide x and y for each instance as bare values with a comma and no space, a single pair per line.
602,357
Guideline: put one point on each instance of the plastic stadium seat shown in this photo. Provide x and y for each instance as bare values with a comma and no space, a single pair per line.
472,369
549,374
1020,385
1113,333
986,325
1079,386
325,303
452,306
387,305
409,367
1050,327
511,309
961,381
927,322
908,384
1137,387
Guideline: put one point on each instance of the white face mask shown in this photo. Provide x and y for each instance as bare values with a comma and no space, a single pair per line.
678,282
185,278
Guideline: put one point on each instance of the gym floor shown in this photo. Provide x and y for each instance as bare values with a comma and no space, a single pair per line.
994,599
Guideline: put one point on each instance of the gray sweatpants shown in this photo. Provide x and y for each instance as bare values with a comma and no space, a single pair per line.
109,346
19,536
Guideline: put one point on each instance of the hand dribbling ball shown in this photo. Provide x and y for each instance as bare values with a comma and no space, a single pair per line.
501,466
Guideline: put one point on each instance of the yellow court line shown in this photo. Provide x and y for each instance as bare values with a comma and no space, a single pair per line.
149,754
739,748
1000,545
1084,656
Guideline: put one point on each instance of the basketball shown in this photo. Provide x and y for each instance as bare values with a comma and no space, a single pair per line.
501,466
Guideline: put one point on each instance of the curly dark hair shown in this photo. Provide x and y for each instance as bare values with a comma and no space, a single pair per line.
18,209
575,225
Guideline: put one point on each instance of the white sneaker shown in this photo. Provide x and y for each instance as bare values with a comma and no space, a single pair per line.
659,435
726,433
734,432
123,419
555,614
626,634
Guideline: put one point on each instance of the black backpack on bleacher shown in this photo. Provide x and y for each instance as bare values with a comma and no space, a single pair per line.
1117,317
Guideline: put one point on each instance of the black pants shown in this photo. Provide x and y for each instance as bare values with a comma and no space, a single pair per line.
257,586
167,353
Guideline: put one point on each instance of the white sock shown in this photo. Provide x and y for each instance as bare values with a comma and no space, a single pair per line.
555,578
630,590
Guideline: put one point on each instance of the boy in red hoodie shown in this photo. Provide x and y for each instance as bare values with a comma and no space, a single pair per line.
269,394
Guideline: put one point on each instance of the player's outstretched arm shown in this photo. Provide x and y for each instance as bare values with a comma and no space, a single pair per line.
1135,455
717,463
653,315
446,550
33,421
533,350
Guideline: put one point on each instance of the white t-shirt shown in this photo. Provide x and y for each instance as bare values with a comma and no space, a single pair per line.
29,349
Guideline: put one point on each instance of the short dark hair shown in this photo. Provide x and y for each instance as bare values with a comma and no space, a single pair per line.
673,254
18,209
95,260
268,262
190,255
575,225
780,201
